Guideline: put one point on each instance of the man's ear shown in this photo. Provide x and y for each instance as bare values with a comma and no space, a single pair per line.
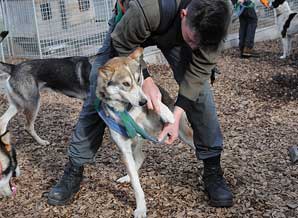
5,138
137,54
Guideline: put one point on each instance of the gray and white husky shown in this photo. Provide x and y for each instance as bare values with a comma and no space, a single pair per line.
8,165
287,24
119,87
69,76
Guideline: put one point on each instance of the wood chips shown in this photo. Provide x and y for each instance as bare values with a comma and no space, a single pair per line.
257,104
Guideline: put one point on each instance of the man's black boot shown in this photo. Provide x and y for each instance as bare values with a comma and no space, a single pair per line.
215,184
67,186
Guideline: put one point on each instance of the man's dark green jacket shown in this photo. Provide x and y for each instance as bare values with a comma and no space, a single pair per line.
138,27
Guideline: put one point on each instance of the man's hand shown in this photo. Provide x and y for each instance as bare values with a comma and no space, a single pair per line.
153,94
171,129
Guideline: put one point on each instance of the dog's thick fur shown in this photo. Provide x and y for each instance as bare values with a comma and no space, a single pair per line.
119,86
8,165
287,24
69,76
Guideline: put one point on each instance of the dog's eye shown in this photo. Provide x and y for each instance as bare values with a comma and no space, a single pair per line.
126,84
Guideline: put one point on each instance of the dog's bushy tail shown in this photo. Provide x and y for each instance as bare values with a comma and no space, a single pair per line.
186,132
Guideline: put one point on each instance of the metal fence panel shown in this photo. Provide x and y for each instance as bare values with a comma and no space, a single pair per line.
54,28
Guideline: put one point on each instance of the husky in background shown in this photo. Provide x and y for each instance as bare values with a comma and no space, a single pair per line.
8,165
24,81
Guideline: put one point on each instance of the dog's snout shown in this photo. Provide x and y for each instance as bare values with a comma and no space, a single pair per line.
143,102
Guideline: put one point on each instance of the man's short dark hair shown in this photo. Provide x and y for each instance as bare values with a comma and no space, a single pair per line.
210,19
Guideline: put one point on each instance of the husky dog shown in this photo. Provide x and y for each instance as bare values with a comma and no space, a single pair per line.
69,76
287,24
8,165
119,87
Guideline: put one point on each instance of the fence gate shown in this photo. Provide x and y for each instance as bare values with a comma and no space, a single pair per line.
54,28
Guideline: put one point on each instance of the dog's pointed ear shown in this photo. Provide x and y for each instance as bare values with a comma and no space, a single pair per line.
5,138
137,54
6,68
104,73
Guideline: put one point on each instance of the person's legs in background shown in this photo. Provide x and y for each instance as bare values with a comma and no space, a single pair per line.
252,21
242,32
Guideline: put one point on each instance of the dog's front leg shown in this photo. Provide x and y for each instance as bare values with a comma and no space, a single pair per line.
285,47
290,40
166,114
126,148
6,117
138,156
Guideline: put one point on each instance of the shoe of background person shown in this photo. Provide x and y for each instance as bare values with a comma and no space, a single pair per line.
249,52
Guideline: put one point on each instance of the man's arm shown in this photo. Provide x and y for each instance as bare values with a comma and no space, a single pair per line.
135,26
132,30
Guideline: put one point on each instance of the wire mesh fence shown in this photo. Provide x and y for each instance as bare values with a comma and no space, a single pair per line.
59,28
54,28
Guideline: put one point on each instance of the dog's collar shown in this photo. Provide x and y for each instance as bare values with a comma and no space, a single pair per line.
129,129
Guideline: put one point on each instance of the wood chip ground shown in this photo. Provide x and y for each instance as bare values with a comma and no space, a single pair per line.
257,104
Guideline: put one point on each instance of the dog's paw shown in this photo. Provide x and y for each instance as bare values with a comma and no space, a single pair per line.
168,118
140,213
124,179
43,142
283,57
165,114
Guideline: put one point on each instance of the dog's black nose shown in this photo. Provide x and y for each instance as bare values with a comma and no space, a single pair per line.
143,102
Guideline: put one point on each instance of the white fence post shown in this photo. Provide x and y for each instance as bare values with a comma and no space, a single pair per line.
4,14
37,29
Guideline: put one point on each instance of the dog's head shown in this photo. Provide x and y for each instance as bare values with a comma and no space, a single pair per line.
8,165
276,3
119,82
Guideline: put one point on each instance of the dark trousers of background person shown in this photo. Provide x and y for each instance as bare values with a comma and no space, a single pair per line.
248,25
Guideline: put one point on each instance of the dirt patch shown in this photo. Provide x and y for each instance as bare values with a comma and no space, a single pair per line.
257,107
